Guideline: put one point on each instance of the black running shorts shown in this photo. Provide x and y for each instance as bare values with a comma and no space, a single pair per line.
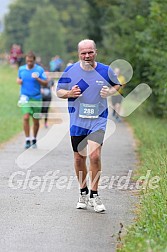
80,142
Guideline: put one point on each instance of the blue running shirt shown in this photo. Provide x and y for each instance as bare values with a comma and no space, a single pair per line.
30,86
90,83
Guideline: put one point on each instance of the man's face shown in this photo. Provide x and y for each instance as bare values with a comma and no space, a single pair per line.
30,62
87,54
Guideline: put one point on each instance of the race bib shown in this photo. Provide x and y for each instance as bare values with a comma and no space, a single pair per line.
23,100
89,110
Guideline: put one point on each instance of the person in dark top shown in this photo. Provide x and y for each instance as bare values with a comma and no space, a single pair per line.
46,99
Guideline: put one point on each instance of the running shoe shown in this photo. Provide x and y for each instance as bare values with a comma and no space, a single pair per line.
82,202
97,204
27,144
34,143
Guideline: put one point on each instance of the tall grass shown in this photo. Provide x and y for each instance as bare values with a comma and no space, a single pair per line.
10,114
149,233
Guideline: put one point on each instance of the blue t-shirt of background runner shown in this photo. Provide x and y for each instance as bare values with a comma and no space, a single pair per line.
30,86
90,83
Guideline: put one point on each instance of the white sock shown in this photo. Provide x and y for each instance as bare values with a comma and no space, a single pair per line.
27,138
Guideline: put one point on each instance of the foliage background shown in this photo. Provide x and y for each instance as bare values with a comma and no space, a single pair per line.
135,31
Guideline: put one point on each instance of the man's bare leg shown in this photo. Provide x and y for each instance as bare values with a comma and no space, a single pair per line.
81,172
26,125
95,163
80,169
95,172
35,127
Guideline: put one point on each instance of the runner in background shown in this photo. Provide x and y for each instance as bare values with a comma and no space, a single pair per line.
46,92
117,97
30,78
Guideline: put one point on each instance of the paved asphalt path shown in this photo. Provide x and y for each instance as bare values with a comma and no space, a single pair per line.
40,215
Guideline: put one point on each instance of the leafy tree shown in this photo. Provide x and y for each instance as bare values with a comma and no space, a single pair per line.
46,36
2,43
16,21
73,17
152,51
94,21
135,31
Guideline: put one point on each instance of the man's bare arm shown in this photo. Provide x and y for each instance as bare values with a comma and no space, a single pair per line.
106,91
73,93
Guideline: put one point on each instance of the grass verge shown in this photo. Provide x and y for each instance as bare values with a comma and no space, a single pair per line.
10,114
149,233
